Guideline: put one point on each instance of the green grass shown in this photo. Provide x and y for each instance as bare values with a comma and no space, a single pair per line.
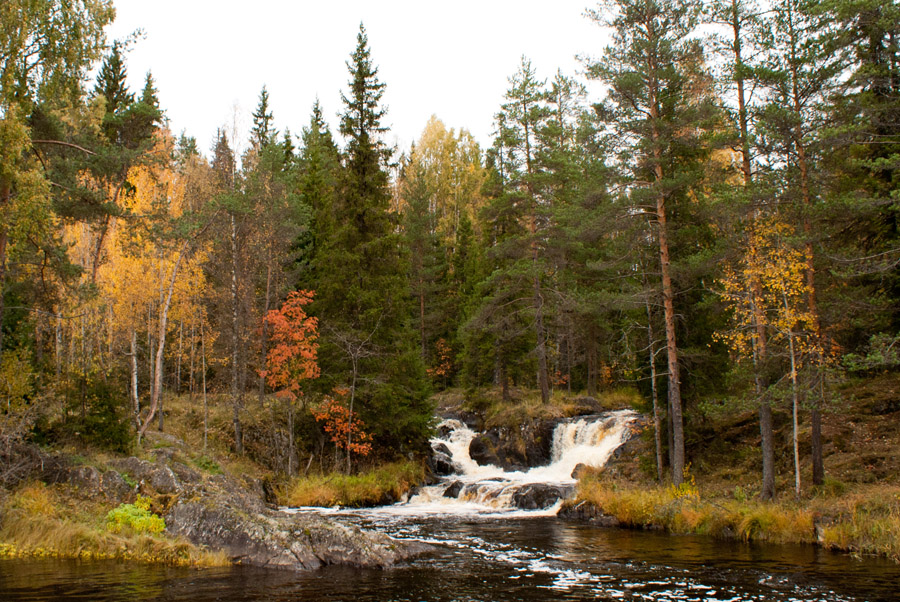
383,485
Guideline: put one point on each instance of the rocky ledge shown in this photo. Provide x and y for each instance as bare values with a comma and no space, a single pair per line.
217,511
279,540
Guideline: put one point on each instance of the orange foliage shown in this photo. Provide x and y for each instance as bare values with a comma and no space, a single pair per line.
339,424
293,356
444,361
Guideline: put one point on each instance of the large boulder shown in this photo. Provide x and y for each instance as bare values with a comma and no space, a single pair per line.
515,447
538,496
296,542
156,475
483,450
441,462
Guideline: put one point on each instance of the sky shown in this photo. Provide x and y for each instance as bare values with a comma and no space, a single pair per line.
451,59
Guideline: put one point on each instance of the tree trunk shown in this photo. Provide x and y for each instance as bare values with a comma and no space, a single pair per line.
203,377
135,400
193,355
543,376
265,329
350,413
163,321
760,348
669,317
422,318
795,407
235,344
674,380
4,242
657,423
177,387
806,194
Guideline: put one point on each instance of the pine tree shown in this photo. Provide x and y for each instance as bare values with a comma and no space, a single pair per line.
746,34
319,170
651,68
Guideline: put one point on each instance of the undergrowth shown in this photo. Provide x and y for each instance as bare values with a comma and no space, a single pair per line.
383,485
35,524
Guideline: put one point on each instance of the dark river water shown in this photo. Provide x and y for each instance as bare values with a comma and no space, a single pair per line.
492,559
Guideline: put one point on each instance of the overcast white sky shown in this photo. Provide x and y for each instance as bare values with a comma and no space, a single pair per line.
451,59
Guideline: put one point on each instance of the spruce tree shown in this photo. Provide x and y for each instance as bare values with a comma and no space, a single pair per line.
362,296
262,133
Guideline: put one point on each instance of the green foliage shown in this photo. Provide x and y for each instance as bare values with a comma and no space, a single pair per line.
883,353
360,275
207,464
135,518
100,419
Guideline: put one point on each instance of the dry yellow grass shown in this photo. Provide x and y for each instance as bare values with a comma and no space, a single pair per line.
382,485
35,523
866,521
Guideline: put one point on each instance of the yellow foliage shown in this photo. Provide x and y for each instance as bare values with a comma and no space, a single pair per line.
777,270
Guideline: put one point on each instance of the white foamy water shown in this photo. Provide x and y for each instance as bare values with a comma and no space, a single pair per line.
487,489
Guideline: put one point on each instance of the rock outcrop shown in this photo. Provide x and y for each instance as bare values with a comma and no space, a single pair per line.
588,513
539,496
277,540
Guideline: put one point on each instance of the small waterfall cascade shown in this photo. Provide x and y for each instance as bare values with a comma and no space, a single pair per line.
587,440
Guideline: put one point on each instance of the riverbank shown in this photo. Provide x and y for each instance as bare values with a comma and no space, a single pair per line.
864,522
47,521
857,510
204,504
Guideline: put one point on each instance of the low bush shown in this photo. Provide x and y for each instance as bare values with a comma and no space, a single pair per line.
135,518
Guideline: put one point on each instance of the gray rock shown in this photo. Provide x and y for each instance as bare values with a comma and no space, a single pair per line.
158,476
86,478
298,542
579,471
441,448
114,486
584,406
135,467
158,439
185,473
442,465
538,496
454,489
587,512
483,449
163,480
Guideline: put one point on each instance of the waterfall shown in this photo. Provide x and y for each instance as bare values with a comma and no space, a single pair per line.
588,440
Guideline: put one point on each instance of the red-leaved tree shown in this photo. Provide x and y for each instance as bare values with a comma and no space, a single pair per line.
346,431
293,356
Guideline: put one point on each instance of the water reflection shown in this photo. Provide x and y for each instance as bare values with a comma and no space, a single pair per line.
490,559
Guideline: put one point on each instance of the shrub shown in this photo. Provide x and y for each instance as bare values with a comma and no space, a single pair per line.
135,518
207,464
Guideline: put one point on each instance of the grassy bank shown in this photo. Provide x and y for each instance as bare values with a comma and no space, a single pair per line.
866,521
383,485
39,521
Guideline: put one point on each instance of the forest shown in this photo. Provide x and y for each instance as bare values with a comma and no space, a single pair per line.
720,229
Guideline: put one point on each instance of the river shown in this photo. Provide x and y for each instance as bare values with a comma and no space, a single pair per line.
492,558
484,547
